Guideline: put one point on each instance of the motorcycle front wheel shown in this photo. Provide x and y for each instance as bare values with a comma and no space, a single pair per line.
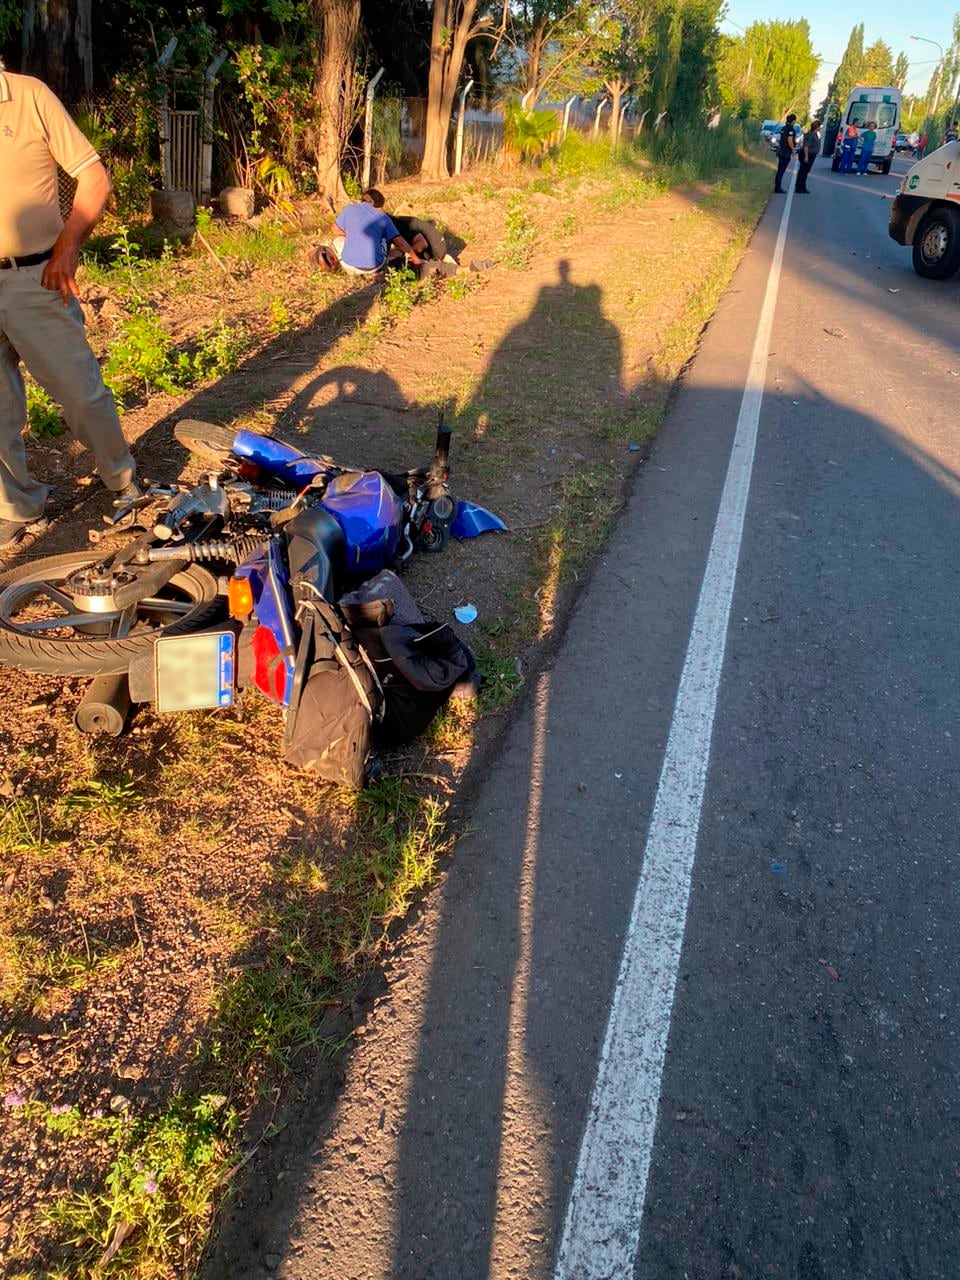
208,441
44,629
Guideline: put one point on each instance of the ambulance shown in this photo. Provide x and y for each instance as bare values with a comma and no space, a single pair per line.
879,105
926,213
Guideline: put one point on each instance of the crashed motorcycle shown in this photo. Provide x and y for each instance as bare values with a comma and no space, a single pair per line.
234,581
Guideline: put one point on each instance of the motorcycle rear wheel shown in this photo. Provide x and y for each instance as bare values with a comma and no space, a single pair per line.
76,642
207,440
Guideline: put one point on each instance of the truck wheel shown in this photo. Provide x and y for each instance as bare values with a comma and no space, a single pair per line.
936,244
885,167
835,163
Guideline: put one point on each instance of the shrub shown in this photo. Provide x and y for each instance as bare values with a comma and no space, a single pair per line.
526,134
43,414
516,247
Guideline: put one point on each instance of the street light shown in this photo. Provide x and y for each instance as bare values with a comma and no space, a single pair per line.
939,73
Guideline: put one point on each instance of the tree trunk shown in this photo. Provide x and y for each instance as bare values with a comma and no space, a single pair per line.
534,57
338,22
57,46
452,21
616,90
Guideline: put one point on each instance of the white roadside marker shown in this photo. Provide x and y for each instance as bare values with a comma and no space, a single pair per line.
601,1231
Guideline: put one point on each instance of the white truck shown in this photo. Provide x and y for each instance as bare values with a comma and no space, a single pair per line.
876,107
926,213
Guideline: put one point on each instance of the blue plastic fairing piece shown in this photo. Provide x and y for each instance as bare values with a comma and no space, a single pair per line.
471,520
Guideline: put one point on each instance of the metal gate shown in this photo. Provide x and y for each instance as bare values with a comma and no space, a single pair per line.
186,144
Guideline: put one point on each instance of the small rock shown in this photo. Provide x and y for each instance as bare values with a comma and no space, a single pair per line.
173,208
6,787
272,1261
237,202
47,902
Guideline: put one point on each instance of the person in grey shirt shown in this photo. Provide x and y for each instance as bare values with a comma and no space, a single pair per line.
809,150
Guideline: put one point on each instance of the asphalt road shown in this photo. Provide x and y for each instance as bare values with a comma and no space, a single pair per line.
808,1104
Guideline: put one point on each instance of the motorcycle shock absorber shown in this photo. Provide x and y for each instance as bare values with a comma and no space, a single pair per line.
233,550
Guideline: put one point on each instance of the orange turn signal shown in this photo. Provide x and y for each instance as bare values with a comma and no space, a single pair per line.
240,597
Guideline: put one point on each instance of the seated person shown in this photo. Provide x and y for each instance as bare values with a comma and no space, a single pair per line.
367,241
426,237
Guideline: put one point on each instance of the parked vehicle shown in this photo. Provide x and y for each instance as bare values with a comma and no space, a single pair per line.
925,213
770,132
209,591
879,104
902,143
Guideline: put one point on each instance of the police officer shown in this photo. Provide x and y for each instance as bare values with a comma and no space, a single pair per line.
785,150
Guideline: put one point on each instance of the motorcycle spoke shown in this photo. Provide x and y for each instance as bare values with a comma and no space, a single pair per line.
155,605
125,621
55,595
66,620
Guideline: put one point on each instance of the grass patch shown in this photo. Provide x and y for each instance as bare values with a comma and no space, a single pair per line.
329,918
153,1212
519,235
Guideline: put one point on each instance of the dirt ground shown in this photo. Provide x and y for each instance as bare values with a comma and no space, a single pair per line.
151,882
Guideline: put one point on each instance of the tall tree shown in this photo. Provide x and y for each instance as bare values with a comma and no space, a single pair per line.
769,70
334,85
455,24
851,68
901,69
878,63
57,45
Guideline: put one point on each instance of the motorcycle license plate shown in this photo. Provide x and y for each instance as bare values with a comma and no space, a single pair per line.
195,671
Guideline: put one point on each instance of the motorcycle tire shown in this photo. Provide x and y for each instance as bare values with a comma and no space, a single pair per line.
207,440
88,655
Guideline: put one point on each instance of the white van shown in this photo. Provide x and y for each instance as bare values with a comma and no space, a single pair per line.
879,104
926,213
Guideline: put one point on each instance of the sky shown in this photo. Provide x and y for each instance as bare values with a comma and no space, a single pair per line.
832,20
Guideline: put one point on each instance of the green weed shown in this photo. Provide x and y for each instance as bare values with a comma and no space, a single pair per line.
43,414
156,1200
463,285
516,248
401,292
280,318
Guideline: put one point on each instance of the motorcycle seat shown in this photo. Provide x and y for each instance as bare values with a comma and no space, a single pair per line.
315,551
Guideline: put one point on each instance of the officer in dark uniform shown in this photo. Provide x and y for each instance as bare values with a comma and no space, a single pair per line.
785,150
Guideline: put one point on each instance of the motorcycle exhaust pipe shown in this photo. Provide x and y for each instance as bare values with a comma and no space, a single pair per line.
105,706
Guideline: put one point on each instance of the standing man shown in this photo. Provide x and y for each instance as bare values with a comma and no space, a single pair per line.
40,318
953,133
785,150
809,150
921,146
868,140
848,148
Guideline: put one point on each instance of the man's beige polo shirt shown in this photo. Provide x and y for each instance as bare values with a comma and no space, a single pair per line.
36,135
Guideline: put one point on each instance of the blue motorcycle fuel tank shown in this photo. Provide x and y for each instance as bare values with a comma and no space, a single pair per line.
370,515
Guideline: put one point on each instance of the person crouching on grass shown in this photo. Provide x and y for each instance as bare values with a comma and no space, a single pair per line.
365,243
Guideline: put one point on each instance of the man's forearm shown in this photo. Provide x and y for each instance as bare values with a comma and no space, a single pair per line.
89,202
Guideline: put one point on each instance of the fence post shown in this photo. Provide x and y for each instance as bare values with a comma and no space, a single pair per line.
458,165
596,120
566,115
165,158
368,129
639,129
206,166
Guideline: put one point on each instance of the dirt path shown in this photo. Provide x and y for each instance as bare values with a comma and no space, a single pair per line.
157,887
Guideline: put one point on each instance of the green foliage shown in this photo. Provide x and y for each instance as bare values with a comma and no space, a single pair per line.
851,68
516,248
527,133
156,1200
256,247
577,156
462,286
43,414
689,151
387,142
768,71
89,120
280,318
351,184
11,18
878,63
401,292
143,357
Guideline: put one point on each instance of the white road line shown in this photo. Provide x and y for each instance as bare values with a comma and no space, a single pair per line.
601,1232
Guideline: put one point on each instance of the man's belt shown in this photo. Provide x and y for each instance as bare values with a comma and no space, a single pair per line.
28,260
